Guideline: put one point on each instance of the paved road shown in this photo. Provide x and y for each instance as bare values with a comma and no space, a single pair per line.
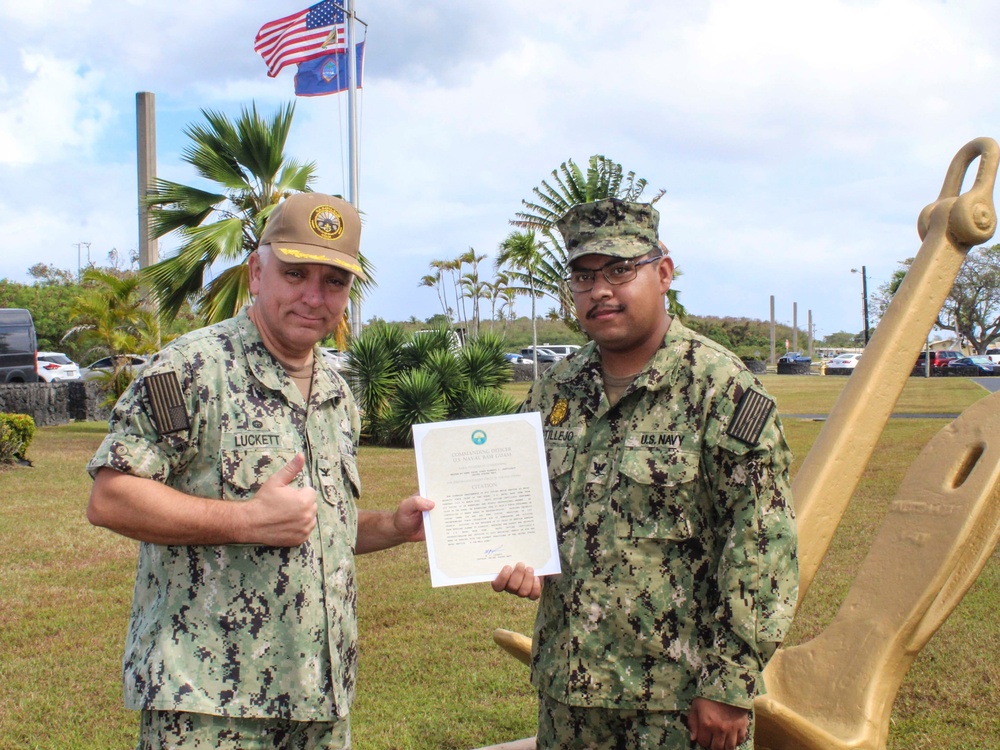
990,384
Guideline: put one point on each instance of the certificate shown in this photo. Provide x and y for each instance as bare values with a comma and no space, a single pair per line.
489,482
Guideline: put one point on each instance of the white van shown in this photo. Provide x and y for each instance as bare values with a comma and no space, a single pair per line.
563,349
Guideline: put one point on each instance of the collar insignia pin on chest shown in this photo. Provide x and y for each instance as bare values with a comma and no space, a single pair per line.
558,414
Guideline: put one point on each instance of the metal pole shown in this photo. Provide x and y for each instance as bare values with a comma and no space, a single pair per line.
79,265
772,330
795,326
810,339
864,290
352,139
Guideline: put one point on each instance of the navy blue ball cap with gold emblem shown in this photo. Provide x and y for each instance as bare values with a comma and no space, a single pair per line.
315,228
610,227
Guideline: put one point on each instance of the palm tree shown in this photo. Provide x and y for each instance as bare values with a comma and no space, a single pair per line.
548,277
454,266
472,287
110,318
494,293
508,295
519,254
440,267
245,160
604,179
433,280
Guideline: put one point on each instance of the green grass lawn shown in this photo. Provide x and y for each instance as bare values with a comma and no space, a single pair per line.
430,674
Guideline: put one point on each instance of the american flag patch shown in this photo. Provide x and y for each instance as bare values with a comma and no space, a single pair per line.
164,392
750,417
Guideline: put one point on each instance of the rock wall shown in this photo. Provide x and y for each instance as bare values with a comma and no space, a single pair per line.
524,373
794,368
55,403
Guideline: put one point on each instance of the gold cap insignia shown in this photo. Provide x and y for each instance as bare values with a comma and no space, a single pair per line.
326,222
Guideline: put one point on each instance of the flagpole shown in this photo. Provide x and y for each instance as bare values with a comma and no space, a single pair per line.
352,139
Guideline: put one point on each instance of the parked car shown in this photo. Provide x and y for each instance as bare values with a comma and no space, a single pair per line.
106,365
516,359
842,362
334,356
18,345
980,361
794,357
56,366
563,349
994,355
544,355
938,359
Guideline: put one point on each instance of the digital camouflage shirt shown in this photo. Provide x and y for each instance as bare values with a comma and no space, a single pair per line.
240,630
676,531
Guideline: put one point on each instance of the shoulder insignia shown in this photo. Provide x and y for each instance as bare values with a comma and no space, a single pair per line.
558,414
750,417
164,392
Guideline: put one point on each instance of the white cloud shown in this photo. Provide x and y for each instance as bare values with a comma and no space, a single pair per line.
55,112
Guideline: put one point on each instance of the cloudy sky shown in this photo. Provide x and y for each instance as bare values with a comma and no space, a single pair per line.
795,140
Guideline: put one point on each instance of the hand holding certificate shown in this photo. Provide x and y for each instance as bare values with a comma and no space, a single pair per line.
489,482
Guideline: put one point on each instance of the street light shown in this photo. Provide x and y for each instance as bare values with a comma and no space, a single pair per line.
79,247
864,297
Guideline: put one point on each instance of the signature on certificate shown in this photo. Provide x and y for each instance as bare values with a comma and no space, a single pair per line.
490,554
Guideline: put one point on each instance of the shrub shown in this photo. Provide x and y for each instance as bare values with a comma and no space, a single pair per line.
16,433
401,380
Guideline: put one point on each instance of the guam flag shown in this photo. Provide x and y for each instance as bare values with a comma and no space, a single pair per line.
327,74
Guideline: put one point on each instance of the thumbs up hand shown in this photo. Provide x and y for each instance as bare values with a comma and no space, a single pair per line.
281,515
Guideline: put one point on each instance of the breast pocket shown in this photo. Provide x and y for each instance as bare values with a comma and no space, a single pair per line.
658,494
561,458
243,472
339,479
340,488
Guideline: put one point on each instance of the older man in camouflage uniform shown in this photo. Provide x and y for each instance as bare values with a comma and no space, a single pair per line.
669,477
232,459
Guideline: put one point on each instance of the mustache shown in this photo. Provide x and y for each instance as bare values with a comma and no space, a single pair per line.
597,309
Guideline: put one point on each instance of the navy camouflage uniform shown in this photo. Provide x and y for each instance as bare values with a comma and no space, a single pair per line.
245,631
676,532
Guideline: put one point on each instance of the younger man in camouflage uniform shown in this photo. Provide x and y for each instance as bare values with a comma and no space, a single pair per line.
669,478
232,459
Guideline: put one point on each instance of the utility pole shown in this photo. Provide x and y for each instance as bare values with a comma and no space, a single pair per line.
772,360
145,126
864,298
795,326
79,265
810,339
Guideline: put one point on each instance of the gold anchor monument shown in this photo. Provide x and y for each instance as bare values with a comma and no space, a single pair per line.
835,692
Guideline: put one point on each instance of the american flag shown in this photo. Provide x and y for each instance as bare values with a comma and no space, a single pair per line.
302,36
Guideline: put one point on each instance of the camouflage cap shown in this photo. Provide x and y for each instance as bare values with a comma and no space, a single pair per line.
315,228
609,227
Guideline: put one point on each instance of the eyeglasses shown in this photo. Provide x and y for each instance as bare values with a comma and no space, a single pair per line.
617,272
